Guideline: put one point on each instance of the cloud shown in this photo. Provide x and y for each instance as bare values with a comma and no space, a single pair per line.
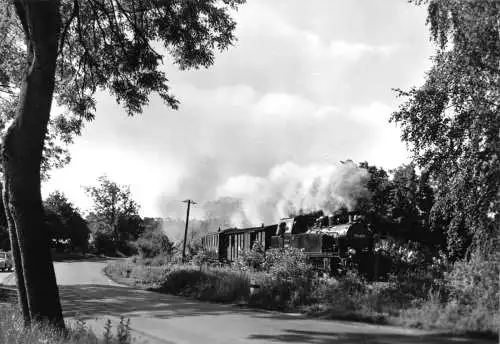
308,85
356,50
276,27
228,134
284,107
375,113
387,148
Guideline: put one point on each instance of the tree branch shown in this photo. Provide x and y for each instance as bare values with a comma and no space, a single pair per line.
138,31
74,13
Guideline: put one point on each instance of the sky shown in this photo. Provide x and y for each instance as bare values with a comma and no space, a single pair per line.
304,87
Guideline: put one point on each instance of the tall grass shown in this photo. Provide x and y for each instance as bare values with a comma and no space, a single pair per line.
467,300
12,331
464,299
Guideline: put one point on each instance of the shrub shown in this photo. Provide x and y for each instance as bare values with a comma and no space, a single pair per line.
473,295
216,284
474,282
271,294
253,258
288,281
287,263
466,301
407,255
465,298
203,257
153,243
103,242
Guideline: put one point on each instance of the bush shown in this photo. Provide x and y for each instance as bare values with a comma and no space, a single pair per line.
407,255
103,243
153,243
217,284
203,257
467,300
474,282
473,295
254,258
287,263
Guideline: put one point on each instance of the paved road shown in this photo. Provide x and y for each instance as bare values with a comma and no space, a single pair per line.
165,319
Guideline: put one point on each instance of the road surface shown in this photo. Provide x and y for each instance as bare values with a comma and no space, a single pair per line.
164,319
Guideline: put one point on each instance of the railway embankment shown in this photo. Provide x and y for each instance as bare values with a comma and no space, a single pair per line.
463,300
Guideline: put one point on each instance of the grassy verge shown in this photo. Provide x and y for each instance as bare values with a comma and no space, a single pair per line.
405,300
12,331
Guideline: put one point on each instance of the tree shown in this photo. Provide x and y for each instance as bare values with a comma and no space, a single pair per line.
153,241
452,123
65,222
114,206
403,198
70,49
376,205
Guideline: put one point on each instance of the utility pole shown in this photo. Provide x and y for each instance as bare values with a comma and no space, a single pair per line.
189,202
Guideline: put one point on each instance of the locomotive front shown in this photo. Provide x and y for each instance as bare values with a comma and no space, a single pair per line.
355,247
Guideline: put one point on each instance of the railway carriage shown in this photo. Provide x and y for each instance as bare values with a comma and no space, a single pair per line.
210,242
234,241
330,243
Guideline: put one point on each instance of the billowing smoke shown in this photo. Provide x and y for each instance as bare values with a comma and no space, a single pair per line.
289,189
246,200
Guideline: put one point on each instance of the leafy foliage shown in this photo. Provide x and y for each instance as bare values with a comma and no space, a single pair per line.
376,205
203,257
59,135
287,263
452,122
474,282
153,243
71,49
101,238
255,258
65,222
112,45
115,208
399,204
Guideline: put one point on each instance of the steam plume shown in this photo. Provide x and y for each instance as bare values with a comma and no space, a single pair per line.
289,188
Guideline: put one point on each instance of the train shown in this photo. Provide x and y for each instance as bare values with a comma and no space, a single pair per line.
332,244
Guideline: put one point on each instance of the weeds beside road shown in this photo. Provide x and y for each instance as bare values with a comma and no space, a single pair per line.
12,331
414,299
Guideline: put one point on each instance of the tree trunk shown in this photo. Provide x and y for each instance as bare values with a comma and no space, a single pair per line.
22,153
16,259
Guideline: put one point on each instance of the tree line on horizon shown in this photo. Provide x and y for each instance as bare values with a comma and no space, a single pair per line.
399,203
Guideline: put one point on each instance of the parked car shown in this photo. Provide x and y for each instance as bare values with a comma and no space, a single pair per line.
5,261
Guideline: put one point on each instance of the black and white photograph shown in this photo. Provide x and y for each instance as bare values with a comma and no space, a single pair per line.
249,171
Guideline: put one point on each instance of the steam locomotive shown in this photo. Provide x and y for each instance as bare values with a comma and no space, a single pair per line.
331,243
